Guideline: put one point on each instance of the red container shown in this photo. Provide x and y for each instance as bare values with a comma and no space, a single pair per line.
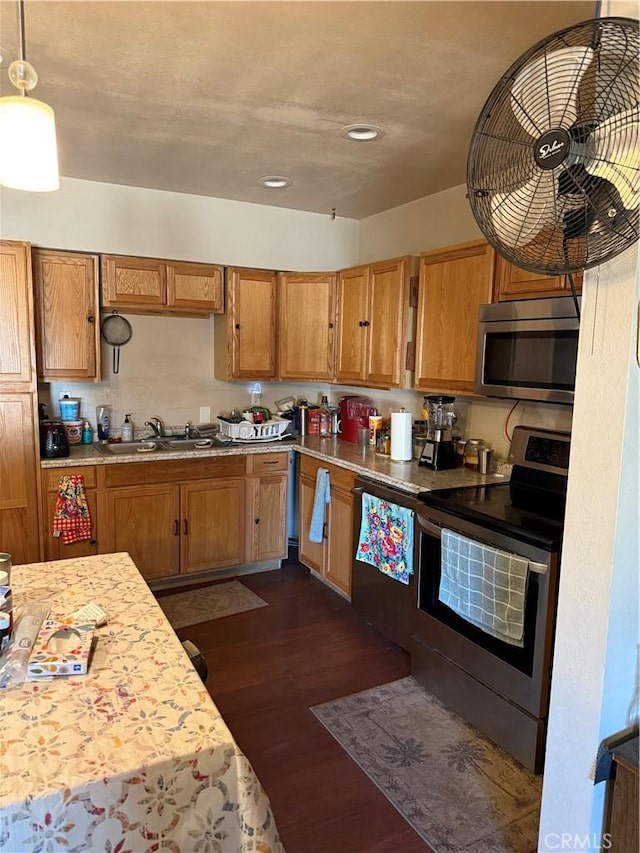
354,413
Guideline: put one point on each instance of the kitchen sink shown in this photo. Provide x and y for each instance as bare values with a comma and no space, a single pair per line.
130,447
188,443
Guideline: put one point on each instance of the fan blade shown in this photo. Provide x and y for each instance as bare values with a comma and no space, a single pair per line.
544,95
521,214
617,155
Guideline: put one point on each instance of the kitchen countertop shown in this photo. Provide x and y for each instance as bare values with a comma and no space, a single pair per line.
408,476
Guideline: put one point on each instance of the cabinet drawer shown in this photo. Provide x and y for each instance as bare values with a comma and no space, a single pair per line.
178,471
267,463
51,477
341,478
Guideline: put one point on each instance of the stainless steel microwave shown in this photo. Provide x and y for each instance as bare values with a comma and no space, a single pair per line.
528,349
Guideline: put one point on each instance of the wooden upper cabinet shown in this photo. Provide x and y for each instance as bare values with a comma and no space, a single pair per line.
511,282
306,325
67,324
353,313
245,337
149,285
373,310
454,282
195,287
17,358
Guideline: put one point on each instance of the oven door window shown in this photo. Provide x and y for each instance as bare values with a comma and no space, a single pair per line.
428,602
543,359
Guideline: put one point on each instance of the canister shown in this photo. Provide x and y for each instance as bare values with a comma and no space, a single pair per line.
69,408
74,431
471,455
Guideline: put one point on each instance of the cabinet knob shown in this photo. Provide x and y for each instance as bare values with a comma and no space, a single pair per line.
90,318
185,528
331,325
257,521
93,542
366,323
237,325
176,527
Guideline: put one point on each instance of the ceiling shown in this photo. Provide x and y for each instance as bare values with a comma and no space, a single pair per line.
206,97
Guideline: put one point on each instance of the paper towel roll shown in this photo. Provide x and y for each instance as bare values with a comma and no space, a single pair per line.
401,436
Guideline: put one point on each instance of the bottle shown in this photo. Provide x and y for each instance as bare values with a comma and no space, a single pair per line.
103,421
6,611
87,433
324,417
127,429
303,408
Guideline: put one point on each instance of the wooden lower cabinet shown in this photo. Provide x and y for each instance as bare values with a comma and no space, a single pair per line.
19,534
266,524
332,558
54,547
212,525
144,521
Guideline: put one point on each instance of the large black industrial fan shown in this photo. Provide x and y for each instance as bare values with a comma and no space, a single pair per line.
554,164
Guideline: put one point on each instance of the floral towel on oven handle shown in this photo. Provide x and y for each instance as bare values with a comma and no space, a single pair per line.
386,537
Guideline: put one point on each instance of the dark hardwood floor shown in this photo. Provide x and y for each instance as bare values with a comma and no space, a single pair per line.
267,667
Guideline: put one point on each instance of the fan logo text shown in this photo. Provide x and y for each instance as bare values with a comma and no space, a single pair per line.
547,150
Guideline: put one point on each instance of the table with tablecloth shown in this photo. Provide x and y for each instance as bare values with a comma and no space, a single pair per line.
134,755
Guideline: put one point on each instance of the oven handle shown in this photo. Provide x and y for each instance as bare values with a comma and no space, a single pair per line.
432,528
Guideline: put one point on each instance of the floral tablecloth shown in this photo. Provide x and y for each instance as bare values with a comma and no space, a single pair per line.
133,756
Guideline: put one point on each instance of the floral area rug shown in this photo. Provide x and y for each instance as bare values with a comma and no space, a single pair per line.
456,789
213,602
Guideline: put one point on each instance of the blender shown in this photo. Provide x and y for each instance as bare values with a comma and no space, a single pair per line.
439,452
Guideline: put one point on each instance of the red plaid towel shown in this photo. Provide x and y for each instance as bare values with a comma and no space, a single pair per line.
71,516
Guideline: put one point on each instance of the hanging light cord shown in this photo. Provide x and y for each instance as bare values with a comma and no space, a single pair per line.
21,39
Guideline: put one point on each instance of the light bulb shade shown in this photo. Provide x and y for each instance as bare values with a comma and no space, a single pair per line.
28,148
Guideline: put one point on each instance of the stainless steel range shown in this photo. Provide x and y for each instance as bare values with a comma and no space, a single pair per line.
499,683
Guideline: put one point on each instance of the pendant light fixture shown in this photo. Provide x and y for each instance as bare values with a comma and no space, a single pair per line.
28,148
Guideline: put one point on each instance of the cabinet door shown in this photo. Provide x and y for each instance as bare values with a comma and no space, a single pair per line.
388,304
18,472
311,554
16,317
454,282
54,547
246,344
144,521
195,287
352,314
339,555
511,282
133,282
67,328
212,524
307,307
267,518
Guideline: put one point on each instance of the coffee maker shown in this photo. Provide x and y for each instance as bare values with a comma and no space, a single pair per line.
439,452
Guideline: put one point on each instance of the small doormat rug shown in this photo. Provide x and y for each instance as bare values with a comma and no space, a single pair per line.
456,789
214,602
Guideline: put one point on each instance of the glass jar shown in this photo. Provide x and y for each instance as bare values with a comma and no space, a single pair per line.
471,455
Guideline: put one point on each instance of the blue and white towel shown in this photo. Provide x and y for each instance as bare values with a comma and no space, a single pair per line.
485,586
386,537
320,499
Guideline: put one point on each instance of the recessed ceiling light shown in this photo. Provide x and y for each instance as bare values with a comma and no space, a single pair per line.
275,182
362,132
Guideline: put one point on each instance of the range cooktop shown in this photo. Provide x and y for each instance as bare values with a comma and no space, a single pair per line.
531,506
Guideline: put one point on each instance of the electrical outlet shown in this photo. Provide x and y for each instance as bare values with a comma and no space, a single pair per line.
205,414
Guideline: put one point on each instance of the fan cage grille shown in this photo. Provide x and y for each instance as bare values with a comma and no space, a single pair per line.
562,219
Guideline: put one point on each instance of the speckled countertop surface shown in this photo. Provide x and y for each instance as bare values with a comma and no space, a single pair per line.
408,476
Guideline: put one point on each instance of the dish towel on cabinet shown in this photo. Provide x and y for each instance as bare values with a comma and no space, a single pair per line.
386,537
320,499
485,586
71,518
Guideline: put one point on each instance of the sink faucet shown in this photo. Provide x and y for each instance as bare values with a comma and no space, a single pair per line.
190,431
156,425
